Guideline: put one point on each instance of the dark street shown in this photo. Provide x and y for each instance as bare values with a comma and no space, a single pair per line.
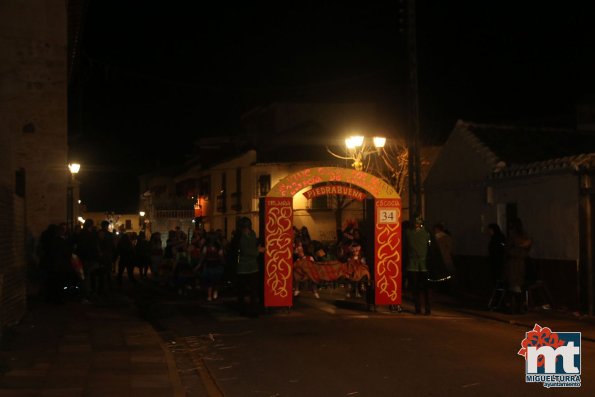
195,196
333,347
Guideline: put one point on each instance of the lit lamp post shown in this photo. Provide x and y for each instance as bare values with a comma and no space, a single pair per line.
74,169
142,221
359,148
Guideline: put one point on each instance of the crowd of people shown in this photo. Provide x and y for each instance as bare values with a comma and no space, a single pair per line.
89,263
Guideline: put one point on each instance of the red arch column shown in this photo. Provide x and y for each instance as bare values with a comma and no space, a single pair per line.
278,223
387,252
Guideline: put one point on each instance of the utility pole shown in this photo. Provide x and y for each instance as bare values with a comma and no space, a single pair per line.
414,164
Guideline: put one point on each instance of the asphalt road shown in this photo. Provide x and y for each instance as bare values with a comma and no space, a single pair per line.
334,347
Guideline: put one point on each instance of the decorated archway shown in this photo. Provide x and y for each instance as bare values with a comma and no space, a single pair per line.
278,231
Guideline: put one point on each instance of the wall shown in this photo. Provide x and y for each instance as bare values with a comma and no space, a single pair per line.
455,193
33,136
548,207
466,214
33,95
460,164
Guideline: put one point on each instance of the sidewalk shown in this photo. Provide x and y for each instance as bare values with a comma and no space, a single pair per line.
556,320
86,350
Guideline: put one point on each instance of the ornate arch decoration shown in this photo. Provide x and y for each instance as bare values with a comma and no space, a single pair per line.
278,231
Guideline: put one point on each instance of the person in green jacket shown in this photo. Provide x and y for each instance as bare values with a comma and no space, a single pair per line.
417,240
247,269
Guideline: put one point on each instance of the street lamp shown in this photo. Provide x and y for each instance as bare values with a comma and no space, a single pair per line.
74,168
142,221
358,148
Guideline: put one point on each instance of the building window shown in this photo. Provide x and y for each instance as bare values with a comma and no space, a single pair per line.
236,198
128,224
263,185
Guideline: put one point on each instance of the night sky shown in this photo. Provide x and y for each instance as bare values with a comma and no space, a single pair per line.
157,75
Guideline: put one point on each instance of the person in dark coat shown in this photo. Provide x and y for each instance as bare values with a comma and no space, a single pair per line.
212,266
517,250
55,259
142,253
417,239
496,254
107,251
88,251
125,252
248,269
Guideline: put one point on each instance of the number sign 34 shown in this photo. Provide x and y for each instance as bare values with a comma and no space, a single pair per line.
386,215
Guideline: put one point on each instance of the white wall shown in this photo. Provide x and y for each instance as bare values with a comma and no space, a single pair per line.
455,193
465,214
460,164
548,206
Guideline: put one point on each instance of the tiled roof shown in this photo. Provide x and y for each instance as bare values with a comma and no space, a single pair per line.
519,151
573,163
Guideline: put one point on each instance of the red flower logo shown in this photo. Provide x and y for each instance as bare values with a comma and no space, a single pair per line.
540,336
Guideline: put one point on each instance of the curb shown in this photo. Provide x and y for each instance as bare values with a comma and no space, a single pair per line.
505,321
172,369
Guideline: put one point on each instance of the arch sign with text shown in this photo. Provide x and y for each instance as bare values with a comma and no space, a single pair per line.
278,229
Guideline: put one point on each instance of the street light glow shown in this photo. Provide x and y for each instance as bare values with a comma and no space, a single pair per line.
379,142
74,168
349,143
142,213
359,148
81,219
357,140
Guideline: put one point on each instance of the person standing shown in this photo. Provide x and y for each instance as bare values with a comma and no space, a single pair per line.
212,262
88,251
107,252
55,260
417,240
496,254
156,255
247,269
444,242
142,254
126,254
517,251
441,265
